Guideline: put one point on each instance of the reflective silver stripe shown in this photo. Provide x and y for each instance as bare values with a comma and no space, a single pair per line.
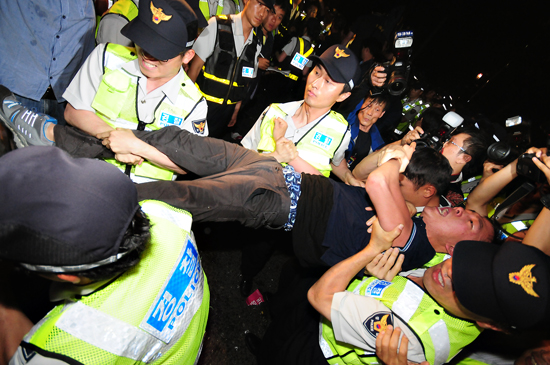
181,220
170,315
108,333
323,344
440,339
408,301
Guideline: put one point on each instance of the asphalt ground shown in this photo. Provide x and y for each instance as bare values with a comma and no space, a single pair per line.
230,318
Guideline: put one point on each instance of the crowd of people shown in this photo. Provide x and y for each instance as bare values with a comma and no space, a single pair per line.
409,238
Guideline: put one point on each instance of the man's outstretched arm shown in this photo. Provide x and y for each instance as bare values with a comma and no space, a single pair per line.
384,191
123,142
337,278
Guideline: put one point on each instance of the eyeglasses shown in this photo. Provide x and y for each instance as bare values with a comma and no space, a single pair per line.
460,148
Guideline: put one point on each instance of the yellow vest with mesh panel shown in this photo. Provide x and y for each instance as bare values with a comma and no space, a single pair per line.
116,324
115,102
317,147
441,334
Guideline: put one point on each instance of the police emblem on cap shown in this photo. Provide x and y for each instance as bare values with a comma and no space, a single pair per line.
378,322
158,15
198,126
525,279
340,53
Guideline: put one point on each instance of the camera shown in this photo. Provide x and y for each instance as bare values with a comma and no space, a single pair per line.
527,168
502,153
398,69
435,139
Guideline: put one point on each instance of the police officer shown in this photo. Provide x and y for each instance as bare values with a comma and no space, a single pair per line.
226,61
129,284
141,88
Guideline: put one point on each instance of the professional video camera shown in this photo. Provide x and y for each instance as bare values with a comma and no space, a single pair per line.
520,138
436,139
398,69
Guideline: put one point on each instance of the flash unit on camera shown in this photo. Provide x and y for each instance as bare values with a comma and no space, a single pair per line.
510,122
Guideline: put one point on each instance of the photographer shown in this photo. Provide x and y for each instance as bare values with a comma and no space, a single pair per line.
521,214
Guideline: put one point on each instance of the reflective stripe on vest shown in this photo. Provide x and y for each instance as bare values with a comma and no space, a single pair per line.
225,76
155,312
442,335
205,8
301,46
317,146
124,8
115,102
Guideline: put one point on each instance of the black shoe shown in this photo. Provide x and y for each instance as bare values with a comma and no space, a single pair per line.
253,343
245,286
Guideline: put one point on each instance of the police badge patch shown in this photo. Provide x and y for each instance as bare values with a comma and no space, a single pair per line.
198,126
378,322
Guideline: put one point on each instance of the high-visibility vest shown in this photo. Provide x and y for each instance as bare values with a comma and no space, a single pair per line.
125,8
153,313
317,147
205,8
298,58
115,102
441,334
225,77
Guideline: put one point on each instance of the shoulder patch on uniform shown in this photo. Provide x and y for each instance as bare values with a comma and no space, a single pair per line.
378,322
198,126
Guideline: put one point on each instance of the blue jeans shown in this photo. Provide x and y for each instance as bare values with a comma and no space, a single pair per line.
52,108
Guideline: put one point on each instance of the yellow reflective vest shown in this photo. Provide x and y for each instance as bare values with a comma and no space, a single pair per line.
441,334
115,102
317,147
153,313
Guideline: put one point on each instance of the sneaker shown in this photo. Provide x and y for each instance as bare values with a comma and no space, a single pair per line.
28,127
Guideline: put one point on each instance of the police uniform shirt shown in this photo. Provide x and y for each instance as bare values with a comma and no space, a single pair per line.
204,46
82,90
252,138
353,317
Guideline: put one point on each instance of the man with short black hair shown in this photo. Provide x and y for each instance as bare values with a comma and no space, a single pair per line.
226,60
365,136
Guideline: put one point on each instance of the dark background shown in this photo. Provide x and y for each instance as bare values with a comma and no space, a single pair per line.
454,41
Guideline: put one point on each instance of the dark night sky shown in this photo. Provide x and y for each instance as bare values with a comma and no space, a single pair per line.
454,41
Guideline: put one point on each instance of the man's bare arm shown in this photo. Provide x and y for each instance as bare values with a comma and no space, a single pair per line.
344,174
385,193
337,278
195,67
123,141
86,121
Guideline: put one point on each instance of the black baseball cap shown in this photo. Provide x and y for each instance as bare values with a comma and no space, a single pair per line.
509,284
269,3
341,65
62,214
161,27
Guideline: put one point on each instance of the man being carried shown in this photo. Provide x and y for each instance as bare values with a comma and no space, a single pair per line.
328,217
